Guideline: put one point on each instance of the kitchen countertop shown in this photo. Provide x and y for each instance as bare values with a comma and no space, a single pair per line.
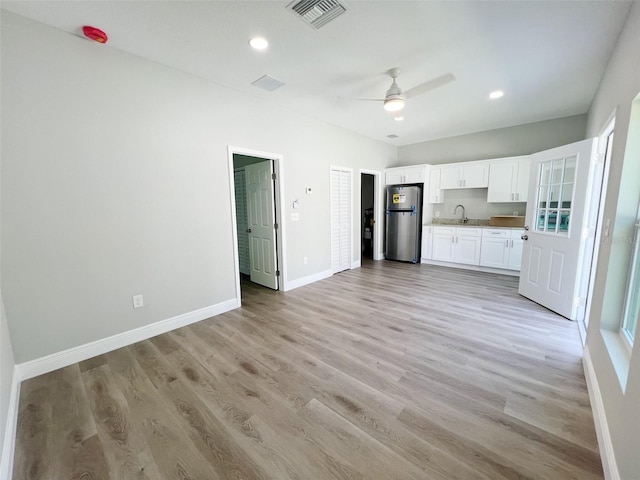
477,223
473,222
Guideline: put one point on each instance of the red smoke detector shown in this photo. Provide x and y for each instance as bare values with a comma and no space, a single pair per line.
94,33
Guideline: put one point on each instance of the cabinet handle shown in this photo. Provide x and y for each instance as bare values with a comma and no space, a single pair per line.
507,243
512,199
517,196
511,243
453,239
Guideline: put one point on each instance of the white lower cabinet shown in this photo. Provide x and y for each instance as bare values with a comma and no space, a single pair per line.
484,247
501,248
457,244
515,255
427,242
443,243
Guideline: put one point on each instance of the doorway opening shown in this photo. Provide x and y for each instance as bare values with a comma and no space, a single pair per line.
595,222
255,179
366,214
369,214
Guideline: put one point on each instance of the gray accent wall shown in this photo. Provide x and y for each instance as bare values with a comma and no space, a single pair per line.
502,142
115,183
621,399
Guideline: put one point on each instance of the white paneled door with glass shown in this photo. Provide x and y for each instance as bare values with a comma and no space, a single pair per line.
555,240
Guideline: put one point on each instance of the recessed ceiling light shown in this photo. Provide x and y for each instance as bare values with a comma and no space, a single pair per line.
496,94
398,118
259,43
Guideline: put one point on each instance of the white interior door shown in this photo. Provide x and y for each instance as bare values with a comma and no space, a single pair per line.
340,220
261,223
554,245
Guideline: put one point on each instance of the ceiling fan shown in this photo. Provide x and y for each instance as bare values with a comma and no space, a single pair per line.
395,98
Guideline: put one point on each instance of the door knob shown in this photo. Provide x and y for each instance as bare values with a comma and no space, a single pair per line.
526,227
248,230
524,237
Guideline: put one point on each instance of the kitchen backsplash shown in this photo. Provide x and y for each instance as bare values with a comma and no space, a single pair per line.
475,204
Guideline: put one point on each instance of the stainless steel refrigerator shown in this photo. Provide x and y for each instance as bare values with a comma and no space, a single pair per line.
403,223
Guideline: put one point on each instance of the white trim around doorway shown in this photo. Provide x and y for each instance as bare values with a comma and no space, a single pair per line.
278,169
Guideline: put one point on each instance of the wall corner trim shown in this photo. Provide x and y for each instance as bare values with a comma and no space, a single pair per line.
301,282
8,446
605,444
52,362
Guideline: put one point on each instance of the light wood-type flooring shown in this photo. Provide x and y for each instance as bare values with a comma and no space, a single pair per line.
389,371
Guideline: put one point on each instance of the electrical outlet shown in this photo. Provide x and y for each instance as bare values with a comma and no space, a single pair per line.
437,213
305,260
137,301
515,213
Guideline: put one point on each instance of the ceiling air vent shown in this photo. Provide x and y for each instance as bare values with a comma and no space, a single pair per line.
267,83
392,136
317,13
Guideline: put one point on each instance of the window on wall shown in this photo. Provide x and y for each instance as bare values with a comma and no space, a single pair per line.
632,297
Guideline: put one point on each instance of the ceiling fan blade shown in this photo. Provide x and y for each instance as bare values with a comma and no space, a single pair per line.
367,99
430,85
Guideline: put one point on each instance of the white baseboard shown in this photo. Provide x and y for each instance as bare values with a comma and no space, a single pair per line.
8,446
355,264
73,355
301,282
605,444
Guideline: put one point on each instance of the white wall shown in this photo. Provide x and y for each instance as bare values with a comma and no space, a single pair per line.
115,183
502,142
475,203
6,359
619,86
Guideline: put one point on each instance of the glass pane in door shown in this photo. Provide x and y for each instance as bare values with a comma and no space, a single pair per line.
555,194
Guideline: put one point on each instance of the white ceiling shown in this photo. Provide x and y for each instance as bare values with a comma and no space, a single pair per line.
548,56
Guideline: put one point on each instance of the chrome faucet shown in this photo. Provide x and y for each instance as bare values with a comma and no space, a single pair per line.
464,217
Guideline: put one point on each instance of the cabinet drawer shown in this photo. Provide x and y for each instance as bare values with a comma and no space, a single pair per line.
494,233
444,230
517,233
468,232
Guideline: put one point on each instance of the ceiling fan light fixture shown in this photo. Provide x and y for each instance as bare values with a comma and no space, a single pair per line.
394,103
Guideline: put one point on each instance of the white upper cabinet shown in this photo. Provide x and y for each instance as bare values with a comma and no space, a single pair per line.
405,175
475,175
509,180
435,195
464,175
